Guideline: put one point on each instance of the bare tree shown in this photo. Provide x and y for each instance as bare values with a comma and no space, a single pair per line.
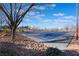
15,14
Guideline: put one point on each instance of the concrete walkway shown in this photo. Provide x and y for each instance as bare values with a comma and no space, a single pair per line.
59,42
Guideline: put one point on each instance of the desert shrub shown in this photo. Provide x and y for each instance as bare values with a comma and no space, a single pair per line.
5,31
21,31
53,52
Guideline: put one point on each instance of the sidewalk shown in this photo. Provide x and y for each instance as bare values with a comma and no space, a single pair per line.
74,44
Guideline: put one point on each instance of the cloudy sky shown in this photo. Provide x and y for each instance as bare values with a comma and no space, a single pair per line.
49,16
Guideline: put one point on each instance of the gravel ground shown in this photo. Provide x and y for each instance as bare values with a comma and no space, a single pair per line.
22,46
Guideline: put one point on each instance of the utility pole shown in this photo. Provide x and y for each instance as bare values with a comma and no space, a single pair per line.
77,21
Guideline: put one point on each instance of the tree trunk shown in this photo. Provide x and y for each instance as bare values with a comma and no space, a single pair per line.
12,34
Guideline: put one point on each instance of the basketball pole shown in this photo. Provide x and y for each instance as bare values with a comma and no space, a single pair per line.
76,21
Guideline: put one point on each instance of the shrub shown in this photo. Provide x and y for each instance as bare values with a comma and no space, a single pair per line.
53,52
21,31
5,30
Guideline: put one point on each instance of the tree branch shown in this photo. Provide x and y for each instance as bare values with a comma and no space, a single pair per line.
23,14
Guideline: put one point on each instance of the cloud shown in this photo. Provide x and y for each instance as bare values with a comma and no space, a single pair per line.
47,21
51,5
56,23
31,13
61,21
39,7
38,17
26,20
33,17
41,15
69,17
58,14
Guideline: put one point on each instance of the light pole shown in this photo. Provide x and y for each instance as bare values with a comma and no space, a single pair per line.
77,21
